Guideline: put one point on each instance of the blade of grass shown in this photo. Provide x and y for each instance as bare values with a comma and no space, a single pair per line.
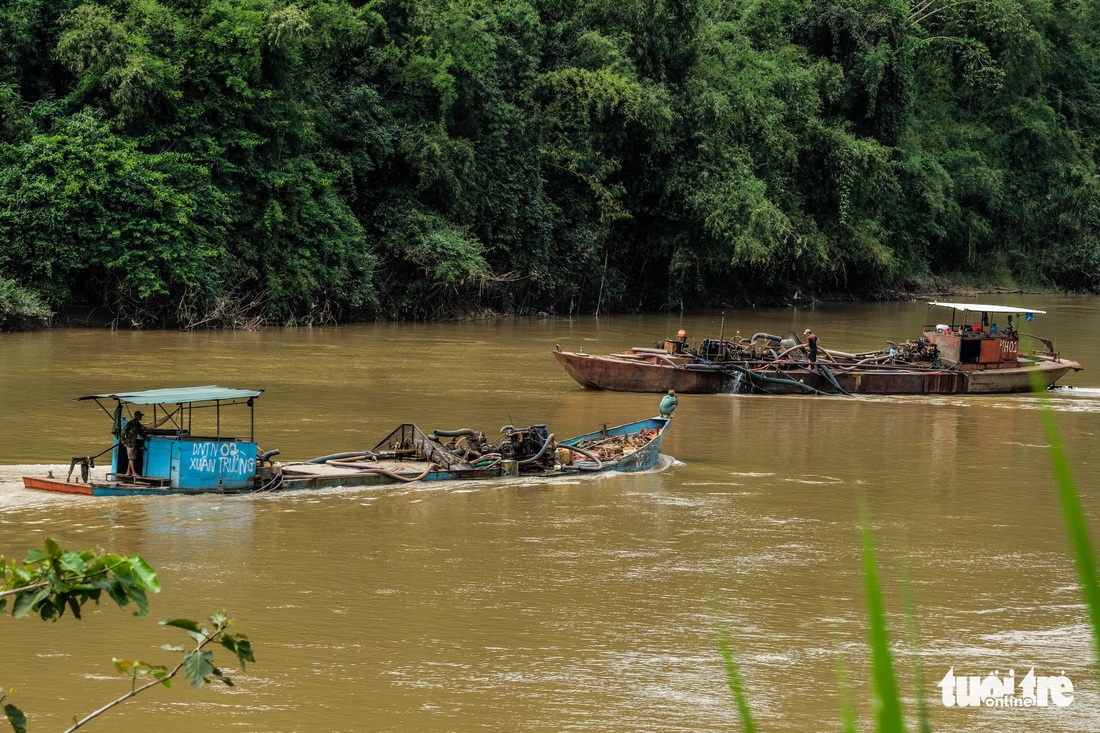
733,676
1074,513
848,722
924,724
888,714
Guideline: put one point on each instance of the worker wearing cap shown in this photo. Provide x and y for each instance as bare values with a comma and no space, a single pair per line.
133,431
811,343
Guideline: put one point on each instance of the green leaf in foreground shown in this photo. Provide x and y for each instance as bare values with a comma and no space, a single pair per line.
52,580
733,676
199,666
1074,513
848,722
16,717
924,723
182,623
888,715
146,572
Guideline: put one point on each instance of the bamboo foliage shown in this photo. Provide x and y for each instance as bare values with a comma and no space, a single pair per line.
637,153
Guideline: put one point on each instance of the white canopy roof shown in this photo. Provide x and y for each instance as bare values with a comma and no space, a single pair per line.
976,307
177,395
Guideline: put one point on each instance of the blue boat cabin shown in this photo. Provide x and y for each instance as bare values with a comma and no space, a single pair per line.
169,454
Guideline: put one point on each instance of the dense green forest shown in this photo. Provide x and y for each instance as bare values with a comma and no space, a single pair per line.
233,163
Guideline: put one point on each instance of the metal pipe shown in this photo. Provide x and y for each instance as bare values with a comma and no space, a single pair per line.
722,338
335,456
468,432
769,336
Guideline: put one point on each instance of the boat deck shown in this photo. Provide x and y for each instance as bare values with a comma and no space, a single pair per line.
356,468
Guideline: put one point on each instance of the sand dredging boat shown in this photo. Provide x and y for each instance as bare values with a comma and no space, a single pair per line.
185,449
965,352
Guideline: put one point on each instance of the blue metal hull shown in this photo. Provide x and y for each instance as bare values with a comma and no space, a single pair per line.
644,458
211,479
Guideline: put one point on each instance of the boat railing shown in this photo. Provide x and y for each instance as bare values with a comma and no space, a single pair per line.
188,437
125,478
1050,352
409,442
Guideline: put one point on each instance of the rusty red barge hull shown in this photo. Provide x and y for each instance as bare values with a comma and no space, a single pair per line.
656,373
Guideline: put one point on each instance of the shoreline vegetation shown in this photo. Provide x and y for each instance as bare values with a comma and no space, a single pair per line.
249,163
26,313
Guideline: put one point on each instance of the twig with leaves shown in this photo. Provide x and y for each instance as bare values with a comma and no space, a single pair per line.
51,580
197,664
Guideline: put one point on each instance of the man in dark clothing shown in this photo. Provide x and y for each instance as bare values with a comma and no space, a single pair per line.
811,343
131,432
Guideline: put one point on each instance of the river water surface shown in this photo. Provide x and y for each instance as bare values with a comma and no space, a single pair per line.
584,605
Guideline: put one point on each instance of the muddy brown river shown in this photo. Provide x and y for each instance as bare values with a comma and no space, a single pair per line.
587,604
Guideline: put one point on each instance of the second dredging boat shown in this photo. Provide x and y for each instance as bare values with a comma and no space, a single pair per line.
967,355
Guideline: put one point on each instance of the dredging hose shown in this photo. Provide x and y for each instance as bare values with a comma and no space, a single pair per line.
275,482
337,456
829,375
366,469
492,458
468,432
770,380
586,454
540,454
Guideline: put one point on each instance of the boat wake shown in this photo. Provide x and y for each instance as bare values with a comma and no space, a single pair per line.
473,485
13,495
1060,399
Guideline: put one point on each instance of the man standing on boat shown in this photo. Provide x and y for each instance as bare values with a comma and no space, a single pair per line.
811,343
668,404
133,431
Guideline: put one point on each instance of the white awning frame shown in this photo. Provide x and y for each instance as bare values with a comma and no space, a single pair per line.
978,308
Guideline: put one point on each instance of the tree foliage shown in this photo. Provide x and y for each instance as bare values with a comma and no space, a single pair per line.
52,580
250,161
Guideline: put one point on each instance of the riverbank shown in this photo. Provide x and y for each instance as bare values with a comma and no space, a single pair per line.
21,314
